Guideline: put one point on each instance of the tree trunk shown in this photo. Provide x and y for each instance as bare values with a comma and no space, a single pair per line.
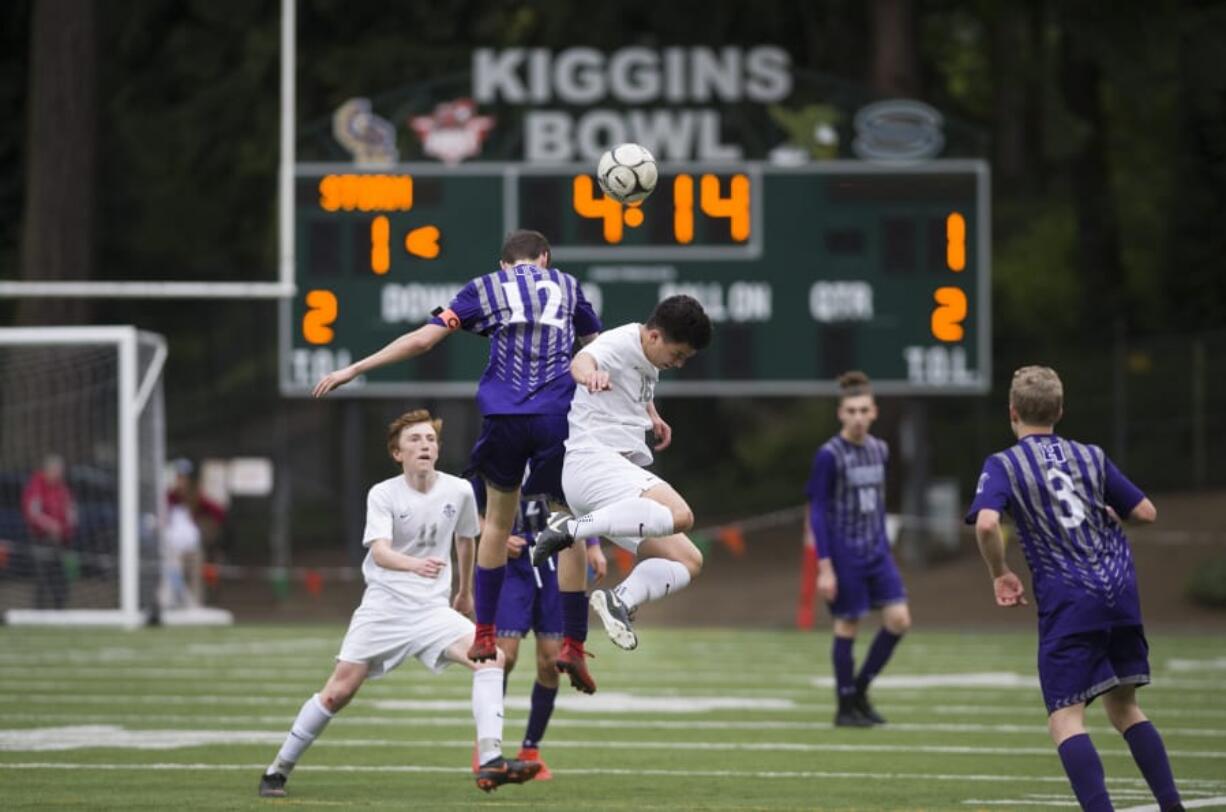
58,229
1099,265
895,69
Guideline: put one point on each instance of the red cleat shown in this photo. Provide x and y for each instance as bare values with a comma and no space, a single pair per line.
533,754
572,661
485,645
499,771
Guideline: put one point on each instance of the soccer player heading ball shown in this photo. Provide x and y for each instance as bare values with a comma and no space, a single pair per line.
610,492
532,315
856,572
1067,500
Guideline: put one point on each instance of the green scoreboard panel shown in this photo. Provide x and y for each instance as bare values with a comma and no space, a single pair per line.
806,271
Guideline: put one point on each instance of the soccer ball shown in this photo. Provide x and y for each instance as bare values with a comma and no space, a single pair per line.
627,173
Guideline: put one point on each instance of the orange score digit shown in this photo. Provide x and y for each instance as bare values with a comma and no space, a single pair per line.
322,309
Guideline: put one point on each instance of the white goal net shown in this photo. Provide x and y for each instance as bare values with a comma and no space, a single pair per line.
82,436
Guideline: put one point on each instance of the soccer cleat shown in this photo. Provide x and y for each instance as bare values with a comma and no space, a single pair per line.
498,771
553,538
572,661
533,754
850,716
485,644
272,785
616,618
860,703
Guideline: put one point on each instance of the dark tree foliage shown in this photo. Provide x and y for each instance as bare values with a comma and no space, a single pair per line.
1105,123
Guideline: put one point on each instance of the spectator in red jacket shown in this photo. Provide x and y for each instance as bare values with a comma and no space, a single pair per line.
51,514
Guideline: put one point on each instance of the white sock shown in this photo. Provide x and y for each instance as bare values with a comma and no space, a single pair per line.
636,516
487,711
650,580
311,721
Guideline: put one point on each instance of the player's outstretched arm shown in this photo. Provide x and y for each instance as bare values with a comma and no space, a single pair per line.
586,373
1007,586
383,554
409,345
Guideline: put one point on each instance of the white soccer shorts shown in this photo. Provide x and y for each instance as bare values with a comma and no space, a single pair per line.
594,478
383,635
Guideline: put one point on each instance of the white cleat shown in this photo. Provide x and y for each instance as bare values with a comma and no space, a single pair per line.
616,619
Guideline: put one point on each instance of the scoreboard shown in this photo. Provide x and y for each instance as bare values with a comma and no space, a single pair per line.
806,271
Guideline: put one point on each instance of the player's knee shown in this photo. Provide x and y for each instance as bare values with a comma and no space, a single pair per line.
546,667
1123,712
683,519
691,559
337,696
898,622
509,661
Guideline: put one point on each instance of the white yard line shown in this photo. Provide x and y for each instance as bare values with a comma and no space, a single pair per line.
73,737
636,772
410,720
1217,800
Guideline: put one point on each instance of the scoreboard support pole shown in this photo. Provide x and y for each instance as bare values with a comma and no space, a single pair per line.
914,448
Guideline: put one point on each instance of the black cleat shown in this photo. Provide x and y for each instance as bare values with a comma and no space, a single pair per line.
860,702
552,539
616,618
498,771
848,715
272,785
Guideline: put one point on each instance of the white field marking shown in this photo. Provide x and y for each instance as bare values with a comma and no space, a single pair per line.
385,689
611,702
295,645
1188,664
982,679
524,704
1019,802
607,702
1013,710
602,770
1217,800
995,679
77,737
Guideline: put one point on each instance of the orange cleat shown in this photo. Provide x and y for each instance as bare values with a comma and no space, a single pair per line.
572,661
533,754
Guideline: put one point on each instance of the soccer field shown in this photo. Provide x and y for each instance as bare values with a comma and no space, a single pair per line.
708,719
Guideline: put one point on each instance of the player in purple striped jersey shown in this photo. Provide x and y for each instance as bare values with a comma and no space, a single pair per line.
1067,500
532,315
856,572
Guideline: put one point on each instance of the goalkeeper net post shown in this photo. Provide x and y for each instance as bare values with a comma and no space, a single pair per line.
82,451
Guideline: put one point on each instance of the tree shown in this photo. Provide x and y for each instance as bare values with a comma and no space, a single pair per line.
58,233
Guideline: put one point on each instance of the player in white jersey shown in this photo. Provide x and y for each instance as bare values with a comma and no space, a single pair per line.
606,487
405,611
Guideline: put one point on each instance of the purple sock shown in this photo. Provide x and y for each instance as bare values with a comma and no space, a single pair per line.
1149,753
574,615
1085,772
488,588
844,665
538,718
878,655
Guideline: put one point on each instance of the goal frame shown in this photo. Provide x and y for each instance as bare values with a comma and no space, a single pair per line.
134,391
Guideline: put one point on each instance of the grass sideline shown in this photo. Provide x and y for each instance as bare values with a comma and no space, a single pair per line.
694,719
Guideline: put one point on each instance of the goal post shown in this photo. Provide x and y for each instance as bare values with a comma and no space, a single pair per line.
82,452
